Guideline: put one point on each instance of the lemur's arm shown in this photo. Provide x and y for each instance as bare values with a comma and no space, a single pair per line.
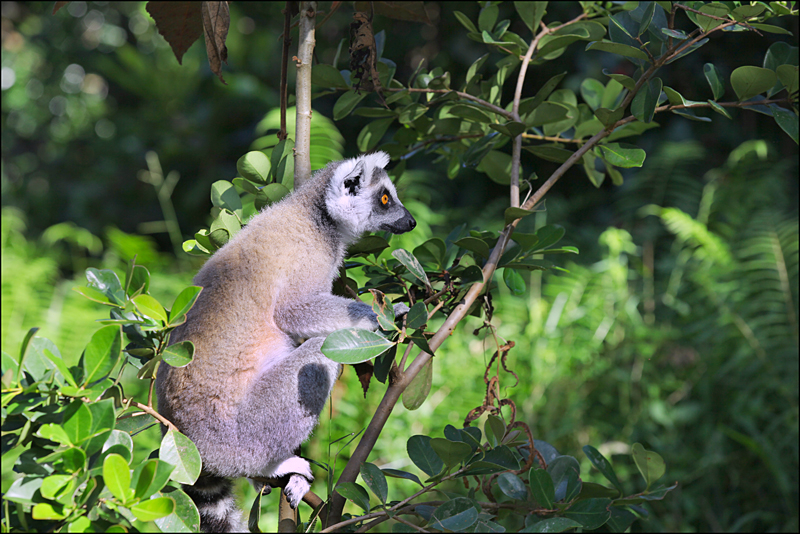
319,315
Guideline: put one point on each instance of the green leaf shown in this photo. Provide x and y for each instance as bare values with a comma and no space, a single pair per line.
224,195
451,452
417,316
592,92
183,303
473,244
150,307
178,450
617,48
750,81
643,106
714,79
647,17
54,485
715,9
419,388
675,98
550,153
607,116
786,119
371,134
719,109
355,493
625,156
254,166
370,244
102,353
346,104
542,487
422,454
455,515
179,354
688,50
514,281
48,511
510,128
139,280
150,477
107,282
548,113
464,20
675,34
560,470
553,524
649,463
769,28
375,480
117,477
531,13
626,81
327,76
411,112
487,17
512,214
383,309
788,76
548,236
603,465
745,12
354,345
153,509
529,104
185,518
411,263
511,485
590,513
494,461
396,473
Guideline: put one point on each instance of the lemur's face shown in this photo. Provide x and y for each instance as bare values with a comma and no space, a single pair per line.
363,198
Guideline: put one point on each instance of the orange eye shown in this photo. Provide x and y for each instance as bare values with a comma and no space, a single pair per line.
385,199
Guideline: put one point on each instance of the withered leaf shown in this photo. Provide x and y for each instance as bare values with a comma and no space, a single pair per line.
413,11
364,372
180,23
216,21
57,6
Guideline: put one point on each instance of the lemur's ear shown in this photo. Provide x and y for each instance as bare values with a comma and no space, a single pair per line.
353,181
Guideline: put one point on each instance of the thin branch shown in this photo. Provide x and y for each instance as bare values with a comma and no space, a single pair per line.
305,53
496,109
746,25
550,138
150,411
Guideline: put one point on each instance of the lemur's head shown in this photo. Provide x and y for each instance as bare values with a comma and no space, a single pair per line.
361,197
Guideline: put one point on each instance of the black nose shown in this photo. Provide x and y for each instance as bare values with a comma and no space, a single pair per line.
412,223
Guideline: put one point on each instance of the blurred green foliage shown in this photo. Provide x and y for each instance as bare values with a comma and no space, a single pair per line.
677,326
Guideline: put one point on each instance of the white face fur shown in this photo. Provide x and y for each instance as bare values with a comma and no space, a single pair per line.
362,198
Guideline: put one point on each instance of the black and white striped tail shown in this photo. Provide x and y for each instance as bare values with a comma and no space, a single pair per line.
214,499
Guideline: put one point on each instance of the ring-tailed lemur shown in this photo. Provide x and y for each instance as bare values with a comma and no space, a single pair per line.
251,395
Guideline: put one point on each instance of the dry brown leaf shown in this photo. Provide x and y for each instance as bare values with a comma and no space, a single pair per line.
216,21
180,23
57,6
364,372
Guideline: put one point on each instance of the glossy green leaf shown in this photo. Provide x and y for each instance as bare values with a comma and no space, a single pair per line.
455,515
546,113
183,303
107,282
422,454
375,480
473,244
103,352
787,120
531,13
560,470
617,48
150,477
607,116
647,17
224,195
788,76
347,103
417,316
178,450
411,263
548,236
603,465
514,281
396,473
716,9
529,104
179,354
327,76
644,104
553,524
494,461
476,65
675,34
510,128
649,463
750,81
542,487
590,513
511,485
117,477
184,518
452,453
153,509
512,214
254,166
621,155
354,345
592,92
419,388
139,280
150,307
355,493
550,153
719,109
745,12
714,79
464,20
371,134
48,511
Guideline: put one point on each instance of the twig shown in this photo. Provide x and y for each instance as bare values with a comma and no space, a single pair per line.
305,51
496,109
287,42
150,411
746,25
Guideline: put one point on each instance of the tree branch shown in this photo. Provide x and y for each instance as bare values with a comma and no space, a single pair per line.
305,54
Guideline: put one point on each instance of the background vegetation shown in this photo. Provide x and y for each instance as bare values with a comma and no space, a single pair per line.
675,327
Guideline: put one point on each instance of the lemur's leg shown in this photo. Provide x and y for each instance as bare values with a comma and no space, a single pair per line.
323,313
280,411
